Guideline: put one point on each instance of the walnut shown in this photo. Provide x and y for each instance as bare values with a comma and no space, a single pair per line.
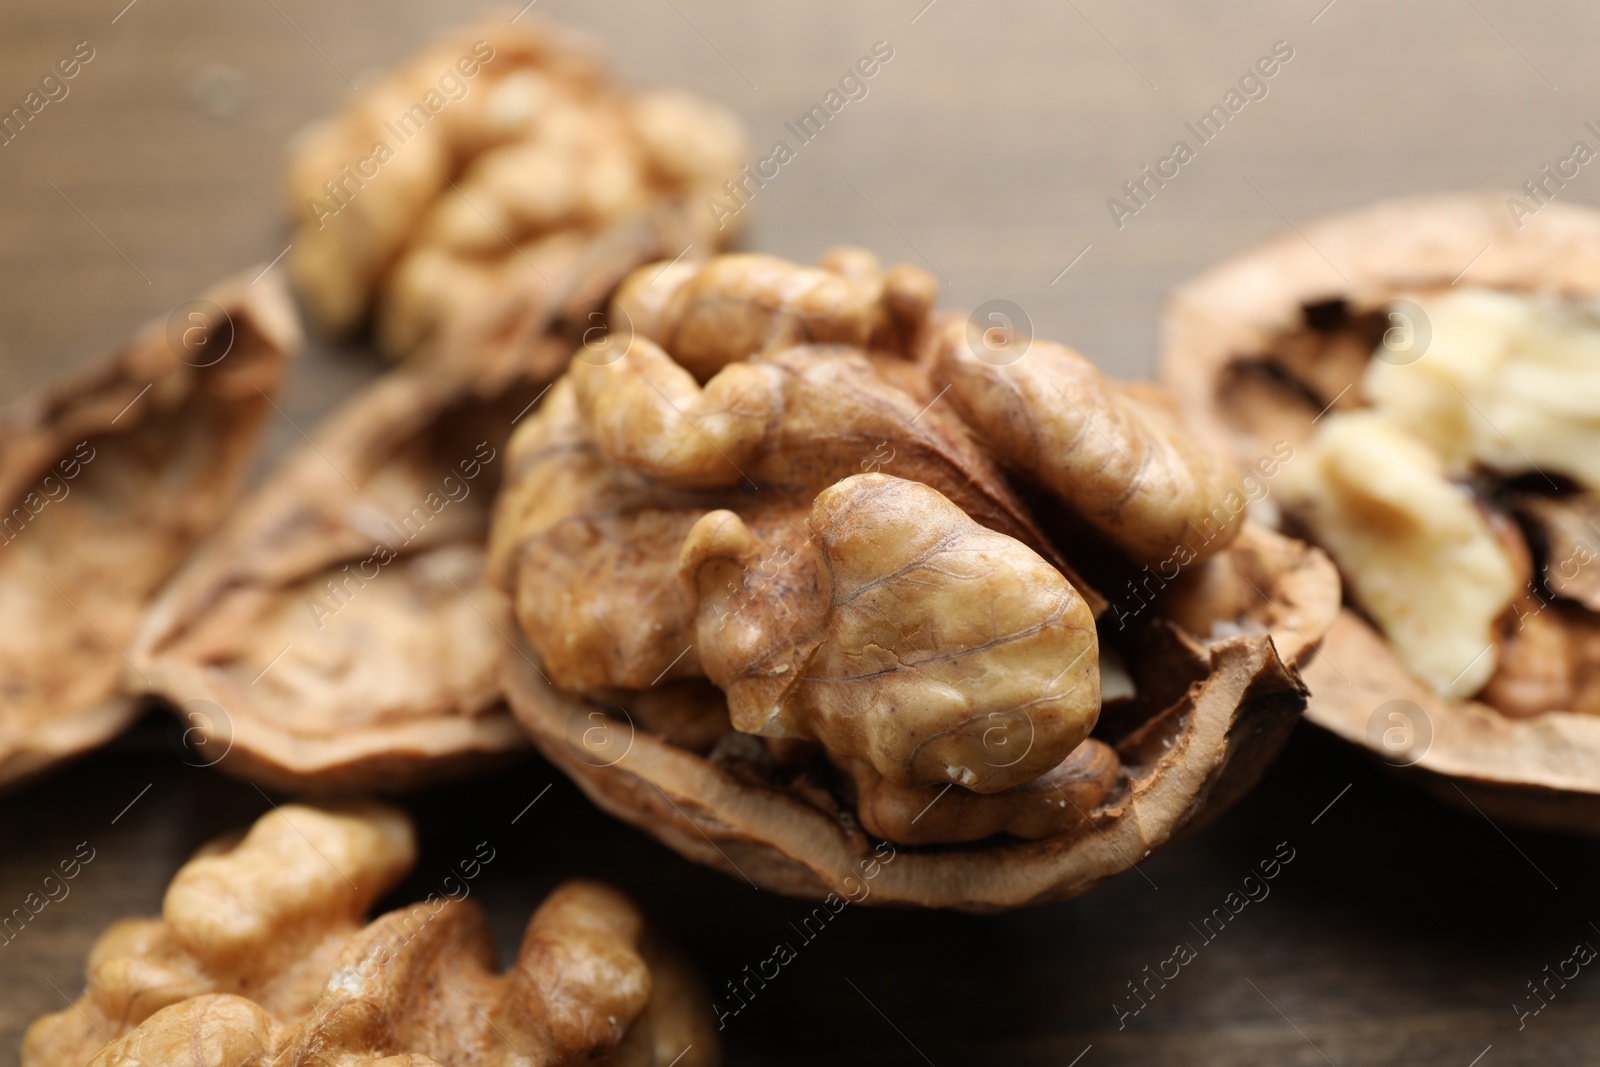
491,176
738,306
907,635
1474,402
1419,554
599,502
763,486
108,476
261,955
338,632
1123,466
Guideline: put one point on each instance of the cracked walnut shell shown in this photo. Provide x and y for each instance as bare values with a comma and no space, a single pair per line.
108,477
337,633
474,178
1441,386
897,612
261,955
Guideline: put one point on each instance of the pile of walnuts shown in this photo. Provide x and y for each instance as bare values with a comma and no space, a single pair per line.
781,565
484,170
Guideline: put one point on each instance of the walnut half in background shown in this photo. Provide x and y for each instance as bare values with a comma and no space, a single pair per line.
1432,367
479,174
807,575
261,956
109,475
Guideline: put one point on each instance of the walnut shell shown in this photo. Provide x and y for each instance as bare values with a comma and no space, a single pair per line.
1257,345
108,476
797,834
337,633
885,608
474,176
261,955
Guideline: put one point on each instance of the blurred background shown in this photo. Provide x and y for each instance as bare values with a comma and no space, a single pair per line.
986,150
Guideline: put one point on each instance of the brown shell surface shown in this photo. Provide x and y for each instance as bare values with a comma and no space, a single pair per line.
473,178
262,954
1542,770
654,533
338,633
108,476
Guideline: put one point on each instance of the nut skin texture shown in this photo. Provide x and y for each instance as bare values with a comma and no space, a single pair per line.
588,551
215,1029
414,982
259,906
647,413
534,154
932,648
261,957
740,305
624,457
1055,804
1122,463
793,421
263,919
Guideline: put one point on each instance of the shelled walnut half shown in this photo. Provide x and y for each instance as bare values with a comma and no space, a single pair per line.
919,598
493,177
108,477
262,955
1433,366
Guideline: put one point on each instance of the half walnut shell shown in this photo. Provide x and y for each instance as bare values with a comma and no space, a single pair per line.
108,476
1261,347
790,608
337,633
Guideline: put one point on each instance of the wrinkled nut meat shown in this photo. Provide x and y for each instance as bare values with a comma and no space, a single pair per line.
1445,429
486,170
137,455
261,956
793,503
1120,463
876,647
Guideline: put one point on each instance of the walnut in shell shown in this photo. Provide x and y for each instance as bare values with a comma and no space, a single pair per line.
262,955
108,476
908,606
475,179
1429,366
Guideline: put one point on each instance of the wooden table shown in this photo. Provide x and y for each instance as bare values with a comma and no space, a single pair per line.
987,149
